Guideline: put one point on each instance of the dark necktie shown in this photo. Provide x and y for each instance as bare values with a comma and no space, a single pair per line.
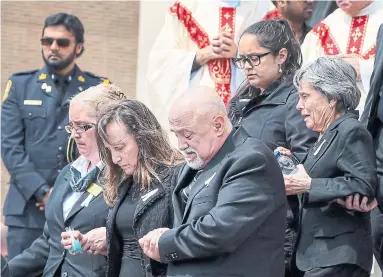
185,192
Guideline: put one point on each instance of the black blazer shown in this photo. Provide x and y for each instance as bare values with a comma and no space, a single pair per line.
369,116
234,221
374,105
155,212
46,254
342,163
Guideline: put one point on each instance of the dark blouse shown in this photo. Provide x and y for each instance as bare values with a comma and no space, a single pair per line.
131,262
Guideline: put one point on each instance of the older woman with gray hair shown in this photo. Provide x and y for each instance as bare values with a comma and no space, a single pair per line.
334,241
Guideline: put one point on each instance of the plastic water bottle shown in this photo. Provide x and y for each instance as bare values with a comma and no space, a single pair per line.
285,163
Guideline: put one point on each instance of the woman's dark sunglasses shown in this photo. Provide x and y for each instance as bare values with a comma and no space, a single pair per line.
253,60
61,42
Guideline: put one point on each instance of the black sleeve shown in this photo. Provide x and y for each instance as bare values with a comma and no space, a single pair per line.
4,268
357,161
13,153
33,260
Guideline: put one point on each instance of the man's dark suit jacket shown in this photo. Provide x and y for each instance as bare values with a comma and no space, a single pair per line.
342,163
234,221
46,254
370,115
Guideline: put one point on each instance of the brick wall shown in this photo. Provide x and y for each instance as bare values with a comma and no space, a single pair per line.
111,35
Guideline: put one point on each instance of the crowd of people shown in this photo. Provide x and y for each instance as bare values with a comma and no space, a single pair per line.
117,198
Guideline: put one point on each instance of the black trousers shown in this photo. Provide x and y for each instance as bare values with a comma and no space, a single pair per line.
376,215
342,270
377,235
19,239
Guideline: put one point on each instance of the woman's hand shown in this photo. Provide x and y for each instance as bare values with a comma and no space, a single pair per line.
357,203
92,243
297,183
284,151
67,242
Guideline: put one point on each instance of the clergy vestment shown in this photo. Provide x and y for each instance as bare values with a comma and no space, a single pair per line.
340,34
191,25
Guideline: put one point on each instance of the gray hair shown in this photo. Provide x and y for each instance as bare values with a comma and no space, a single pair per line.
334,78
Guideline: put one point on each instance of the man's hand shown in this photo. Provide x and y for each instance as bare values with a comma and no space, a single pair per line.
205,55
93,242
149,243
353,203
297,183
41,204
354,61
223,46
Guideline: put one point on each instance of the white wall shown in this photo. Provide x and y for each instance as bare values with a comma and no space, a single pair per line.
152,16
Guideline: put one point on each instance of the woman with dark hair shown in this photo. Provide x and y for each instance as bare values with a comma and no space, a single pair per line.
138,177
140,164
265,103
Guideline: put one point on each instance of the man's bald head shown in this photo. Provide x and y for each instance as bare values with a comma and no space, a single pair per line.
199,120
198,103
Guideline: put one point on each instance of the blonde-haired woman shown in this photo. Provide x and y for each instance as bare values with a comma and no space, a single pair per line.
76,200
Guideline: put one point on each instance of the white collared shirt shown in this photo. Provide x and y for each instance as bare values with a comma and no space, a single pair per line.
81,164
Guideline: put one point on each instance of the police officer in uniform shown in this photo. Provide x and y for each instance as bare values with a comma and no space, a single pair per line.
34,144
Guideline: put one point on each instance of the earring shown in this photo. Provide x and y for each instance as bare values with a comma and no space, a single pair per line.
280,68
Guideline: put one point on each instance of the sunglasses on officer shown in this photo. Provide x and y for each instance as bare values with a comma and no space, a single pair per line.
79,128
61,42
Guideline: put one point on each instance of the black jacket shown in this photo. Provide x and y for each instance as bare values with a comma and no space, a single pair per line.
342,163
153,213
233,223
372,116
47,255
274,119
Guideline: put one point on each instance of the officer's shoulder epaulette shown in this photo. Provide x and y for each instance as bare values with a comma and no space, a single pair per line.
26,72
104,79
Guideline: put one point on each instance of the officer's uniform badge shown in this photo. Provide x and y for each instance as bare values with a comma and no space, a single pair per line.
7,89
81,79
47,88
42,76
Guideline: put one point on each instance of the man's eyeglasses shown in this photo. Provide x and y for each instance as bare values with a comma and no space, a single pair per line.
61,42
253,60
79,129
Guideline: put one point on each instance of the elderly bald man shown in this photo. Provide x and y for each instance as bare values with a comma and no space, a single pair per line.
229,200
